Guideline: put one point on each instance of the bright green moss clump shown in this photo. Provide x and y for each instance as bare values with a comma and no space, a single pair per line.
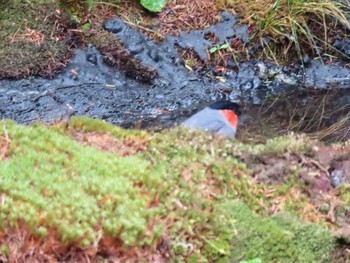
281,238
51,181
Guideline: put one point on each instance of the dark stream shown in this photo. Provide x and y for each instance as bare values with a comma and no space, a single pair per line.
88,87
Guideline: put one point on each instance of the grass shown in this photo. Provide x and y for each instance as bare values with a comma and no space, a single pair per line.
292,26
192,193
91,3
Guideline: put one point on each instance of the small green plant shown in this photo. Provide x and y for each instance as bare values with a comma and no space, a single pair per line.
218,47
86,26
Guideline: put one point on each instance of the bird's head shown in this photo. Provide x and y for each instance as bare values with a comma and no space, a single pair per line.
230,110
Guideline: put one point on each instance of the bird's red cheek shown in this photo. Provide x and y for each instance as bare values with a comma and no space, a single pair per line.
231,117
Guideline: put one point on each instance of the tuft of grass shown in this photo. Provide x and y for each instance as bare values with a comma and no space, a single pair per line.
90,4
292,26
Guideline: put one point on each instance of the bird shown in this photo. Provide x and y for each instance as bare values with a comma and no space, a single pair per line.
221,117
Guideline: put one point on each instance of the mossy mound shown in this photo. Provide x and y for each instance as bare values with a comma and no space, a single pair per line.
177,194
117,56
280,238
32,39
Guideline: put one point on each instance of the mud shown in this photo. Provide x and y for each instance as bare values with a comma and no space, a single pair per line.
91,88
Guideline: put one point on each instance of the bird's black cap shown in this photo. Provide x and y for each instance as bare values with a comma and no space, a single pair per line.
226,105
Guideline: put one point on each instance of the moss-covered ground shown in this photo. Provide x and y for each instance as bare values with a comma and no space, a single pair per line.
32,38
89,190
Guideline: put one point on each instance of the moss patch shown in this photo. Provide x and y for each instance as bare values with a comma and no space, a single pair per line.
280,238
117,56
31,39
185,195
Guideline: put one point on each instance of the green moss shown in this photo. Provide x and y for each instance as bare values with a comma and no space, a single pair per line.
92,125
344,193
73,187
183,184
281,238
281,145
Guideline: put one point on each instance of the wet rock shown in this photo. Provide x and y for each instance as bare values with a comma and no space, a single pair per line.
306,60
160,57
338,177
195,41
135,48
224,31
114,26
91,54
227,28
343,45
325,76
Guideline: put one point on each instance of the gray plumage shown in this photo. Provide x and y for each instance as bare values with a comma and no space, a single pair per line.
211,120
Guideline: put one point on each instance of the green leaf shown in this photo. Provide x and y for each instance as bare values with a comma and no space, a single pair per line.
213,50
4,250
224,46
153,5
86,27
217,47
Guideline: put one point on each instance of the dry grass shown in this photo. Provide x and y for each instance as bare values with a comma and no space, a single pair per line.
322,121
314,114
